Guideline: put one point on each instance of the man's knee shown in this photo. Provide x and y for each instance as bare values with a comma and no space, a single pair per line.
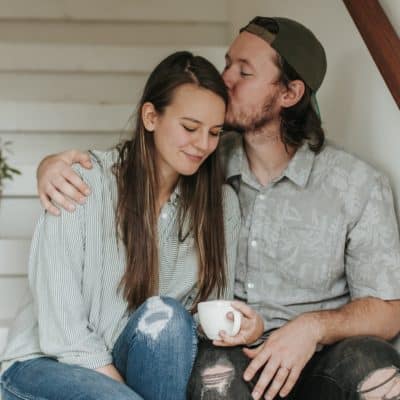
366,365
383,383
217,374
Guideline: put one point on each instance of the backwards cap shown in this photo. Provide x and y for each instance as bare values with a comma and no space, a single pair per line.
296,44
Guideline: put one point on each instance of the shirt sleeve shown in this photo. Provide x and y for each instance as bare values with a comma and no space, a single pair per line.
56,266
232,220
372,258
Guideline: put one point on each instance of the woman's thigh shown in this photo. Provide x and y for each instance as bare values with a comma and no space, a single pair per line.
44,378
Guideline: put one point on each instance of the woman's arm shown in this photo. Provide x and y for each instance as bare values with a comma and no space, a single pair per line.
56,273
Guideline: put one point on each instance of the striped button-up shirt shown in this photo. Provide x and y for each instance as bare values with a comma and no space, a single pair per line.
73,311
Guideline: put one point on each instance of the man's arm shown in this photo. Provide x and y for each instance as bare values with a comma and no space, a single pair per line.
288,349
56,181
368,316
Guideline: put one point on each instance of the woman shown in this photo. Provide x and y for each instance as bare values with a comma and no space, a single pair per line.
158,222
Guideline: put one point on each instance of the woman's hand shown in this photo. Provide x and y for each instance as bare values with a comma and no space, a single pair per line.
110,371
251,328
58,182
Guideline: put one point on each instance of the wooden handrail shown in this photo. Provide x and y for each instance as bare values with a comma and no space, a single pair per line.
381,39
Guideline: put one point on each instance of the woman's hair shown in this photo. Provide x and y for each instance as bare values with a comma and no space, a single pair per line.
200,196
299,123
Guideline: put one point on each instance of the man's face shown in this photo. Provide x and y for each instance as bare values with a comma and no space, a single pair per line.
252,77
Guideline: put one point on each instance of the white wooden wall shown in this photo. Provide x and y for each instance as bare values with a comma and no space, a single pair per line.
70,72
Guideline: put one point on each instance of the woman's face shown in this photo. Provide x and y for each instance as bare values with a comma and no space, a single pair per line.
188,130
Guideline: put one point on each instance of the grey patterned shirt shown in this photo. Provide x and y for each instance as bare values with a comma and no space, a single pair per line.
74,312
321,234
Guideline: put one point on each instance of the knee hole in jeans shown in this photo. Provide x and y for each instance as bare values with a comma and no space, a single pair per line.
381,384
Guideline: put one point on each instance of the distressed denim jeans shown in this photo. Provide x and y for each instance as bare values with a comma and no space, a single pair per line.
154,354
344,371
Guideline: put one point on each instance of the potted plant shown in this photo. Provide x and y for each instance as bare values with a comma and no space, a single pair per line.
6,171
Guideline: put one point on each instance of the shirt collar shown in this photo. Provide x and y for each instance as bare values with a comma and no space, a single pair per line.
300,166
298,169
236,159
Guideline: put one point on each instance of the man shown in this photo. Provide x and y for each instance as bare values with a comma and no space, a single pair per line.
319,254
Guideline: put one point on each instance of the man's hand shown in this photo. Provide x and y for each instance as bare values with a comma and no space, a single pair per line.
57,181
283,356
251,328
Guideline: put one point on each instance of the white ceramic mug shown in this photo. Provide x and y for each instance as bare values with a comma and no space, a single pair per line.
213,319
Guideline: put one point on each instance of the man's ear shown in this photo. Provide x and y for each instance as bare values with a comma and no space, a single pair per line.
293,93
149,116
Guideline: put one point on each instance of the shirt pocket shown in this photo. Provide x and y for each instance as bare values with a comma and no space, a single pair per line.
306,254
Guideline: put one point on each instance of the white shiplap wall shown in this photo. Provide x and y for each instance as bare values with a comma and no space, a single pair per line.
70,73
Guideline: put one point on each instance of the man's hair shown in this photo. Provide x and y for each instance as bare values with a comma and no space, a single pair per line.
300,122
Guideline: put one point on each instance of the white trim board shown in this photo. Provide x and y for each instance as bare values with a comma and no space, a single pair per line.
12,291
117,10
14,255
18,217
28,117
94,58
23,185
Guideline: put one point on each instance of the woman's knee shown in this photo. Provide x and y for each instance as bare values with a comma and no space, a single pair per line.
161,318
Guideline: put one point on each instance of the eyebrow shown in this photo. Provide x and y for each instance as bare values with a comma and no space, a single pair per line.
199,122
241,60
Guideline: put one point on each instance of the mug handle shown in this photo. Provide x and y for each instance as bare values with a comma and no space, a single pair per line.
237,321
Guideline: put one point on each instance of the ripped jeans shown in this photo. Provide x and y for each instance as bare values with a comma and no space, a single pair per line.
358,368
154,354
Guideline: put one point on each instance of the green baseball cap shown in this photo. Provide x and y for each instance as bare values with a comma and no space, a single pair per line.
297,45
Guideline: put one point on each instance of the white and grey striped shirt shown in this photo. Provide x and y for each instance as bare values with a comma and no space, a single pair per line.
73,311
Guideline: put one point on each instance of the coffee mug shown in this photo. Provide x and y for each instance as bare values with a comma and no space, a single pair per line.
213,319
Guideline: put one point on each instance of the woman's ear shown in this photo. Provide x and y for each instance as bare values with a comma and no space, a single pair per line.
293,94
149,116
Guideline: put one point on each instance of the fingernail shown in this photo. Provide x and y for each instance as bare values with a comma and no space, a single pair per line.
82,200
246,377
71,207
87,192
255,395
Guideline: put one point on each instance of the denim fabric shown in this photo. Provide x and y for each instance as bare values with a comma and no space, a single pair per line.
334,373
154,354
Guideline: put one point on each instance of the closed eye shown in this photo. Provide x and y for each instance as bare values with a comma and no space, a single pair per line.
189,129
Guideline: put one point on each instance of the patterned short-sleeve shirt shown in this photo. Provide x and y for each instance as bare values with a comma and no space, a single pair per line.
321,234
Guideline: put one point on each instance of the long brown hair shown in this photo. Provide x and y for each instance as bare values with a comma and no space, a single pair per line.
200,199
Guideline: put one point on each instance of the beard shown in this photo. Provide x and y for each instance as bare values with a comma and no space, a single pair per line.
252,120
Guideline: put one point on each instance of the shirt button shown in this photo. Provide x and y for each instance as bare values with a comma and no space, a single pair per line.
261,197
250,285
253,243
164,215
